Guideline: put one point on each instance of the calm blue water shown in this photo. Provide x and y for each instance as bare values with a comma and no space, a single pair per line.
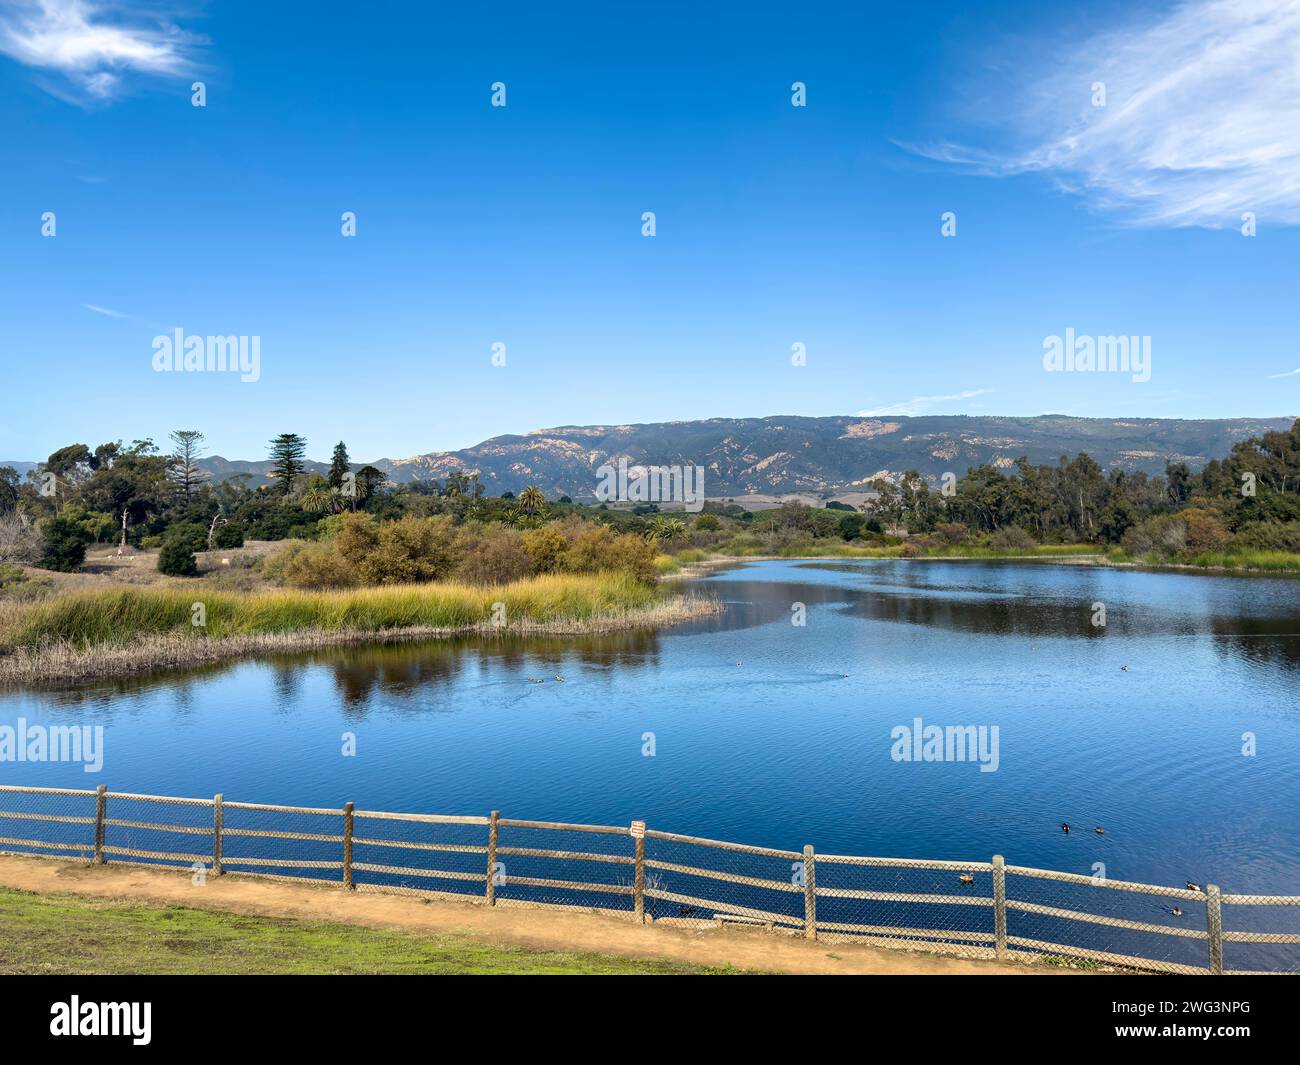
761,738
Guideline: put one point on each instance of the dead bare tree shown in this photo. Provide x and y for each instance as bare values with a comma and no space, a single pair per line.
217,520
20,539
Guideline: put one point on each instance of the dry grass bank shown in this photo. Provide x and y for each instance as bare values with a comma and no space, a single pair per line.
88,634
565,929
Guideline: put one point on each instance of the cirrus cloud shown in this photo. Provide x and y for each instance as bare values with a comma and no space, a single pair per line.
93,46
1201,121
920,404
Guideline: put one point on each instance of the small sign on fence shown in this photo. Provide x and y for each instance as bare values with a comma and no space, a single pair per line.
638,830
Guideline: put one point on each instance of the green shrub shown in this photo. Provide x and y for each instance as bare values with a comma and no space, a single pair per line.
309,564
602,550
1206,531
328,527
1268,536
1011,538
492,556
952,532
179,544
229,535
545,548
409,550
65,543
176,559
356,536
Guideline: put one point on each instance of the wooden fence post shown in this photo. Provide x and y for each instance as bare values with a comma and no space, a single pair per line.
809,893
101,809
638,881
999,906
218,816
1214,917
347,847
494,832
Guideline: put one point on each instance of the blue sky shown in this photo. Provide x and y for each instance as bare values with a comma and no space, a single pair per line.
522,225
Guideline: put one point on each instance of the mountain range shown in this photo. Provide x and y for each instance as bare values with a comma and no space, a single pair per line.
810,456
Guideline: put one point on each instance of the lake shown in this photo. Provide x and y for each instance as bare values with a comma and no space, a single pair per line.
772,733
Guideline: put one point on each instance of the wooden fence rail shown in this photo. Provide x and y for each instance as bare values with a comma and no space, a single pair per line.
644,877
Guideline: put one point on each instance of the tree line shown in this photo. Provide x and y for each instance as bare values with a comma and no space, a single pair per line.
137,495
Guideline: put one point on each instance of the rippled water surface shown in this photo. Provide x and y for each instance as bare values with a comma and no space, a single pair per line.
770,733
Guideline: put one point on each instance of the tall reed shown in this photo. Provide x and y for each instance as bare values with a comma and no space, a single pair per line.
88,618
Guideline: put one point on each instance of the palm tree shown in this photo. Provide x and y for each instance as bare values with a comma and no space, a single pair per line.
318,498
531,501
667,530
457,485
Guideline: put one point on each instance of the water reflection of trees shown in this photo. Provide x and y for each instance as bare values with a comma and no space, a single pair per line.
401,670
393,669
1274,651
1270,640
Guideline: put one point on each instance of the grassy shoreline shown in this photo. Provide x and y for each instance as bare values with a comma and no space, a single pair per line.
118,632
104,633
1258,563
68,934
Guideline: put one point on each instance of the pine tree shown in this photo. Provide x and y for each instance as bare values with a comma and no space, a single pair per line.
184,460
339,466
287,451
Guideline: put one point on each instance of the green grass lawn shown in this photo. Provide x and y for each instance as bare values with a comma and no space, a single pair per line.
74,935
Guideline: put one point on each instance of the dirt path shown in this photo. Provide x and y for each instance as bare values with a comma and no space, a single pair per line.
541,929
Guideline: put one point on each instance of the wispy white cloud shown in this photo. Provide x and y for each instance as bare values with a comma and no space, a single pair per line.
106,311
94,44
920,404
1289,373
1201,122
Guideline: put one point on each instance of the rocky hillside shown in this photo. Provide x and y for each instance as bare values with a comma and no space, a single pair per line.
819,456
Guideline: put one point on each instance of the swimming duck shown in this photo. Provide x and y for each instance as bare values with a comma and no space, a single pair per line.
1099,830
1193,887
559,678
967,878
1176,911
1124,668
1065,827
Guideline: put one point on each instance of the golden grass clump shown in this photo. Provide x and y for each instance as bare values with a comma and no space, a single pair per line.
90,618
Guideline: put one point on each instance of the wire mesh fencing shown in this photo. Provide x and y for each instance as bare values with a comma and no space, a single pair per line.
971,909
948,906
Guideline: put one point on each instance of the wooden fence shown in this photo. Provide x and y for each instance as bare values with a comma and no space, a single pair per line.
641,889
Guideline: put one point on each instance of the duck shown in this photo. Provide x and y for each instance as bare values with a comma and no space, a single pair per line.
1099,830
1124,669
1193,886
967,878
1065,827
559,679
1177,911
